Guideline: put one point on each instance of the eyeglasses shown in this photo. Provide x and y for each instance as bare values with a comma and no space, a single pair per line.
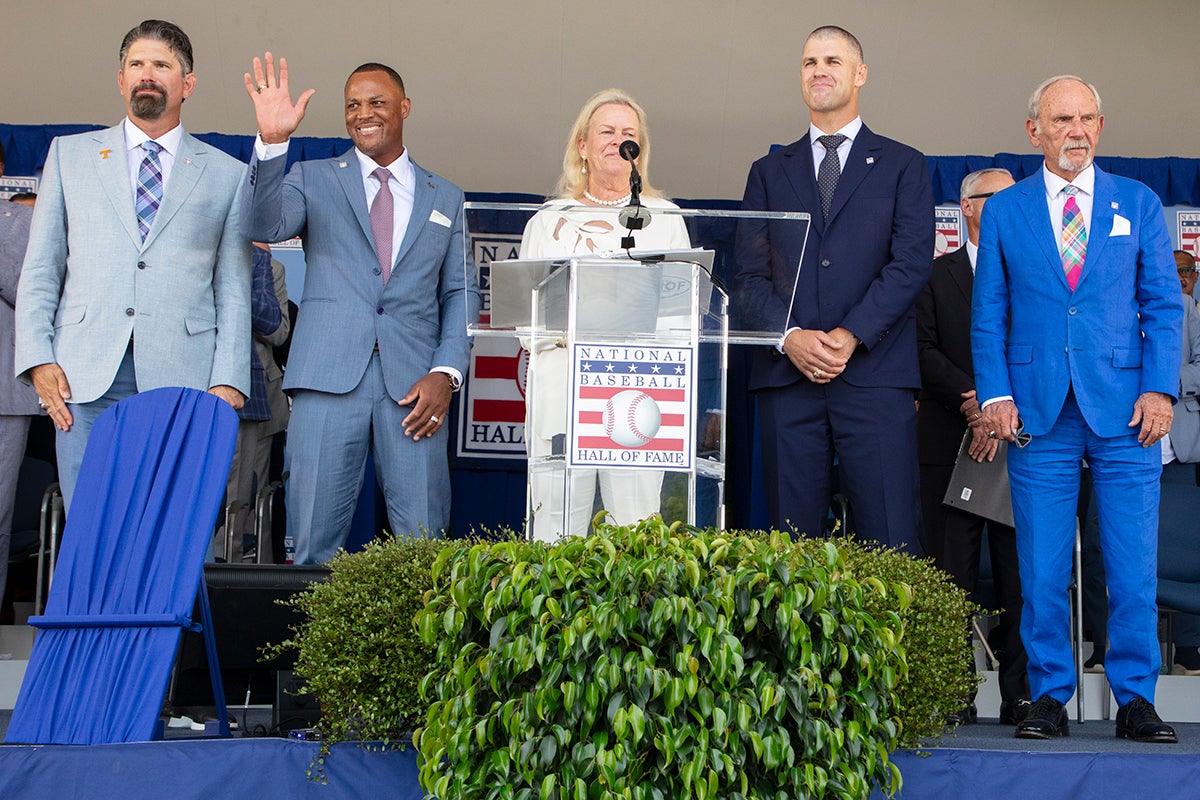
1185,271
982,196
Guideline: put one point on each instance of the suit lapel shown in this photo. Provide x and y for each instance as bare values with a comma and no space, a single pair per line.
349,176
864,154
1105,206
798,167
185,174
961,274
424,193
112,168
1037,215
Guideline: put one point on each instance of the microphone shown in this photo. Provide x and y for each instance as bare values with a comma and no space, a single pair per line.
630,150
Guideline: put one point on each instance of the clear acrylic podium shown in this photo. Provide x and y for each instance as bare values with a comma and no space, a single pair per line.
627,362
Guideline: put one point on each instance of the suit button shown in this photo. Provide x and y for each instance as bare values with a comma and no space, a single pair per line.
129,312
377,271
825,262
379,310
141,265
1071,311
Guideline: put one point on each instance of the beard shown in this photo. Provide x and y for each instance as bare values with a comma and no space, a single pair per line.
1064,155
148,106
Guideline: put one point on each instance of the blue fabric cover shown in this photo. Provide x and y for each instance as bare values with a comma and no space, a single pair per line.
131,562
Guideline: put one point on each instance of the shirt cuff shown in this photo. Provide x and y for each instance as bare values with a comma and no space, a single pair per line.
992,400
783,338
265,152
452,372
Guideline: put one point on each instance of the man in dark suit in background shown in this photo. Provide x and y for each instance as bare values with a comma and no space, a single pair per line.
948,409
843,377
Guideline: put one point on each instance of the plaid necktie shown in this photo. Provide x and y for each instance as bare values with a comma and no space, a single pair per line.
149,187
830,170
1074,238
382,210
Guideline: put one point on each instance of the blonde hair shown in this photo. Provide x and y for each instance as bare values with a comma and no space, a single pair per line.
573,180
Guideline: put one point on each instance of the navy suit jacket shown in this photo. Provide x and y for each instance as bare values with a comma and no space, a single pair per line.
1112,339
419,318
862,267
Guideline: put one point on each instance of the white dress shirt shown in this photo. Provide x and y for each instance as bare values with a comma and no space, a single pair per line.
818,150
134,154
1056,199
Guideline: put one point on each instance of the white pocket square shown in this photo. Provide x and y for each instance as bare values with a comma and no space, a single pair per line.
1120,226
444,221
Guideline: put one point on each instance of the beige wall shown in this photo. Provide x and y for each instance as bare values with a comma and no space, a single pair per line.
495,84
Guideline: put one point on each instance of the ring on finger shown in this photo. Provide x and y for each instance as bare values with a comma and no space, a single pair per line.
992,435
261,86
433,418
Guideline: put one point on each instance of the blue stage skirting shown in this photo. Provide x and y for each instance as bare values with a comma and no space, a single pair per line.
268,768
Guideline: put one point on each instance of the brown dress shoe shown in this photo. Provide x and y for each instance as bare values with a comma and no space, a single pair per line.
1138,720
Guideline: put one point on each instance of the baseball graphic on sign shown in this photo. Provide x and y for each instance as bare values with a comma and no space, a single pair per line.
631,418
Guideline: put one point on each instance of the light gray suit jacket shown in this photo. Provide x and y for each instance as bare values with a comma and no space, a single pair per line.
419,319
1185,429
90,282
16,398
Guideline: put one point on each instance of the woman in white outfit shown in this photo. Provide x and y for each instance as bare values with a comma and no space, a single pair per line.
595,177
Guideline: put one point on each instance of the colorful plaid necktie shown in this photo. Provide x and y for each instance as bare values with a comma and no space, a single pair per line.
830,170
382,210
1074,238
149,187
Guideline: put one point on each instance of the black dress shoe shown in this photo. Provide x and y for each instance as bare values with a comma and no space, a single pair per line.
1013,711
967,715
1138,720
1046,719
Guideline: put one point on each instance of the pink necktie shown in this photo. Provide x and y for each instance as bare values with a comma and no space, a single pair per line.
382,220
1074,238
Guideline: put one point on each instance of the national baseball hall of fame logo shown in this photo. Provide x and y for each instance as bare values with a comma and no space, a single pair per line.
491,407
947,224
632,407
1188,223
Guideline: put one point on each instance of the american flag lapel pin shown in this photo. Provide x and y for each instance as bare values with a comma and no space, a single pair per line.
870,159
342,164
1114,205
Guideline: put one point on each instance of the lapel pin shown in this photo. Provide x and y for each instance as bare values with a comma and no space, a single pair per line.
342,164
104,153
430,184
187,161
1114,205
870,159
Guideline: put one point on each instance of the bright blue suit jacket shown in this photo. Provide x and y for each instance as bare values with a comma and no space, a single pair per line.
419,319
1112,339
863,267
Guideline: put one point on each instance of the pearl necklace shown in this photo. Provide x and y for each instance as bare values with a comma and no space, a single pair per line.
620,201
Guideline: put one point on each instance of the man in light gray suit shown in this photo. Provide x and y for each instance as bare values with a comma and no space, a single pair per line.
18,402
380,343
136,276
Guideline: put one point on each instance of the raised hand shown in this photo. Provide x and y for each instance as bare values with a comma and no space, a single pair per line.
276,114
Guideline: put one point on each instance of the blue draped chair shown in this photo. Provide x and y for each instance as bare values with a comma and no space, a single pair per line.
129,572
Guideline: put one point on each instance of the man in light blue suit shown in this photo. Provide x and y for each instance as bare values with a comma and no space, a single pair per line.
136,275
1076,333
381,337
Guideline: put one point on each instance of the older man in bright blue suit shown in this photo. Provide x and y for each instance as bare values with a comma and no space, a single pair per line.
112,302
381,338
845,374
1076,329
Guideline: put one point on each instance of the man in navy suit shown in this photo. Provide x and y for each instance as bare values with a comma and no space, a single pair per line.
843,377
381,338
1076,320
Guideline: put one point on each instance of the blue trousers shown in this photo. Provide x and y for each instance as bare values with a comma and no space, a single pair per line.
1045,488
328,439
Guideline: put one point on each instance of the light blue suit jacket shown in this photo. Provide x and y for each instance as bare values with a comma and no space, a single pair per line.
419,318
1185,428
89,282
1112,339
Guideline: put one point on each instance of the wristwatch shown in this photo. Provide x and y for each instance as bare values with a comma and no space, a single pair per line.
455,383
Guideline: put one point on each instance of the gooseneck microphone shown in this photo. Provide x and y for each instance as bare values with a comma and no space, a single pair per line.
633,217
